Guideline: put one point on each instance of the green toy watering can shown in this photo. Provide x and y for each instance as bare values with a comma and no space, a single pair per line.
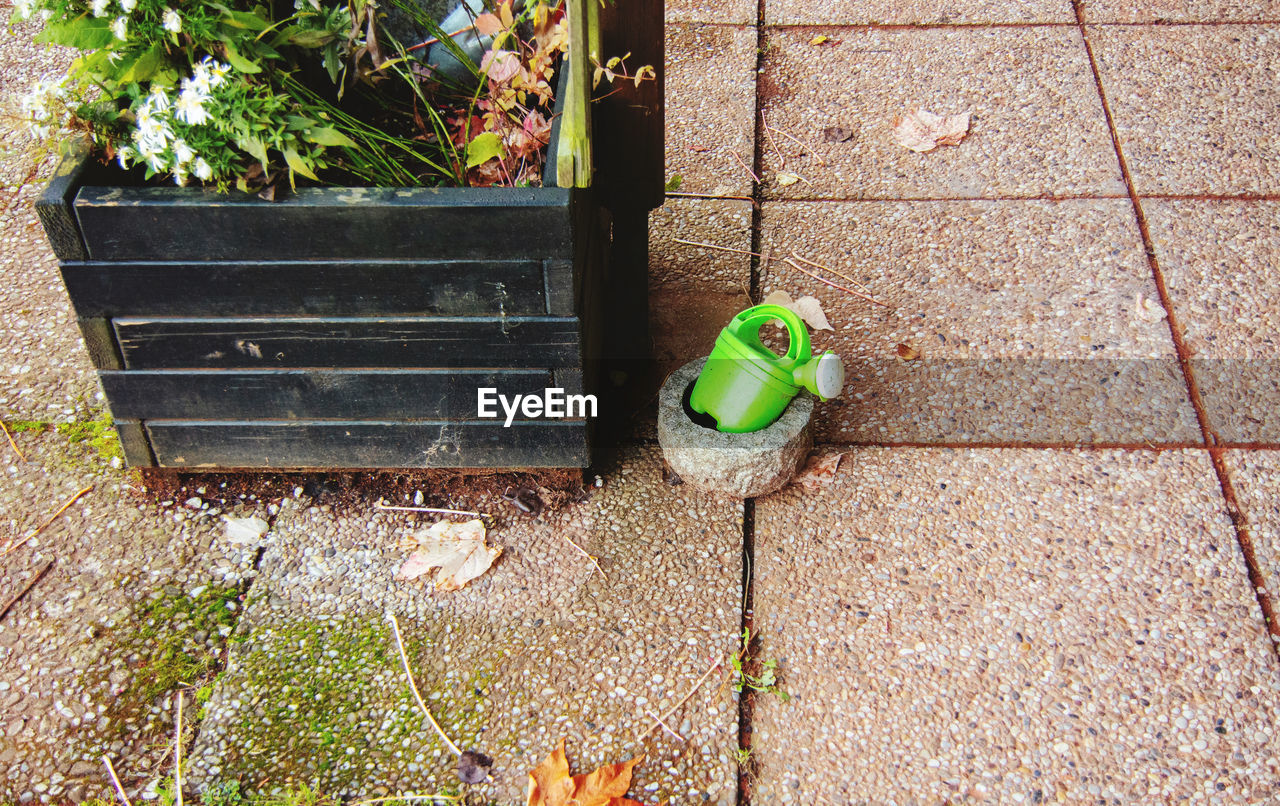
745,386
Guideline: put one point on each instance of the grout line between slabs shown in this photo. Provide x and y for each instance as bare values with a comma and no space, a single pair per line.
984,26
1211,440
1205,197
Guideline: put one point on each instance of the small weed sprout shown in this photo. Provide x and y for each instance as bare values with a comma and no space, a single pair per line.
763,680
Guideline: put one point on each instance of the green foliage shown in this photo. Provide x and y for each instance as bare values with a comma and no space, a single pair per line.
673,184
752,674
22,426
98,434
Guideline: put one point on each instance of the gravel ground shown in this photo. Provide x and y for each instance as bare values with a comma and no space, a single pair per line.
1014,626
542,647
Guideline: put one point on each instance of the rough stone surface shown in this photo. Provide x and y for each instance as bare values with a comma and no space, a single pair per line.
915,12
730,12
1255,475
1180,11
542,647
1037,128
745,465
1011,626
1218,260
79,653
1189,102
711,107
1035,336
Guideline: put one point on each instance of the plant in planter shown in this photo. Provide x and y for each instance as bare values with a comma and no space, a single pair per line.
347,326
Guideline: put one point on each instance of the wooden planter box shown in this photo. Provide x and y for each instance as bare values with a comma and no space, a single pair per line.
341,328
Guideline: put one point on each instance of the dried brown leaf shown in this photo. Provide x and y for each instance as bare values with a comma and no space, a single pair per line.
807,308
487,24
819,471
925,131
551,785
907,353
837,134
457,549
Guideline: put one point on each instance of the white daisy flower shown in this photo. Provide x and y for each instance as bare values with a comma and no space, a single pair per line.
25,8
128,5
179,175
171,21
121,28
158,101
202,170
189,107
125,155
99,7
182,153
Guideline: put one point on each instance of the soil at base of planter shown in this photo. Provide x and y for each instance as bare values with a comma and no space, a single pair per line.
342,491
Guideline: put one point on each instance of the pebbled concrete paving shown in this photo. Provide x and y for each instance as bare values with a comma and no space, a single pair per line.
1180,11
1011,626
541,648
1217,259
1037,336
1255,476
885,12
1037,123
1189,102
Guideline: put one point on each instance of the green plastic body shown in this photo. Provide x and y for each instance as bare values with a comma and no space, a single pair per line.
745,386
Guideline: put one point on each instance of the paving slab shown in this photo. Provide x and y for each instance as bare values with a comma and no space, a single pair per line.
1255,475
711,102
130,609
1132,11
45,373
1051,332
1189,103
1013,626
916,12
731,12
543,647
1218,259
1037,126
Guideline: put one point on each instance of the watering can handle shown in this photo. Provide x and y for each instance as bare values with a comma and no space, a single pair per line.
748,323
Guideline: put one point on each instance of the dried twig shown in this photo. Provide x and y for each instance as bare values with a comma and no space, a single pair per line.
833,271
585,553
177,753
800,143
31,583
745,167
683,700
845,289
399,798
50,520
665,726
772,142
706,196
115,780
720,248
381,505
395,628
12,444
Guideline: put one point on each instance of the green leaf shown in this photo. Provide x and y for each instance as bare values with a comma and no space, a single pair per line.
237,61
298,164
145,66
673,184
307,37
329,137
483,148
241,19
84,33
255,148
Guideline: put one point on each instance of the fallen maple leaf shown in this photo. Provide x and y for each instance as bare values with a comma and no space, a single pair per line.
457,549
551,785
785,179
907,353
819,471
925,131
807,308
487,24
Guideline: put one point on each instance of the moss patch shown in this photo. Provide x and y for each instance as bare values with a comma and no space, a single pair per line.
97,434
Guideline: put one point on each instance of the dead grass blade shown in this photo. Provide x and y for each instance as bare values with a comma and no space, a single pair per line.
31,583
50,520
395,628
12,444
111,771
683,700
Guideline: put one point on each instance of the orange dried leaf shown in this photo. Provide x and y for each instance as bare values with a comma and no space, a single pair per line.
925,131
907,353
551,785
819,471
487,24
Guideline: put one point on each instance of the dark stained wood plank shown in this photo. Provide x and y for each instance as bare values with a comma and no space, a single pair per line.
321,288
134,444
354,342
54,207
163,223
306,445
100,342
311,394
629,128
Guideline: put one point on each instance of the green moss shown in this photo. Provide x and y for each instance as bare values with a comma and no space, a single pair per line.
98,434
22,426
167,637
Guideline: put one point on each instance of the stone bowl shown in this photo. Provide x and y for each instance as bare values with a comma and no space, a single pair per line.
745,465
